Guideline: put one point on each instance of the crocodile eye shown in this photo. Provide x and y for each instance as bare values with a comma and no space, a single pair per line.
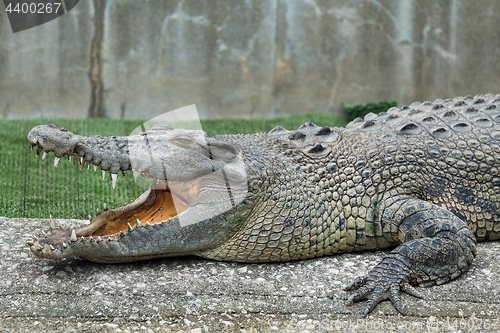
183,142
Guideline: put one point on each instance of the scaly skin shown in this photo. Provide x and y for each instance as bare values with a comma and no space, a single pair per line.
422,180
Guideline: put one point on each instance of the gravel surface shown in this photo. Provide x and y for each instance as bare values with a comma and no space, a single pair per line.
190,294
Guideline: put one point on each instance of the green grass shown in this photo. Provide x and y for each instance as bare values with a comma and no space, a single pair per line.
33,188
361,110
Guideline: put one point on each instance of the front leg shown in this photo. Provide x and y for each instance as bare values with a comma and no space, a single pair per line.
436,246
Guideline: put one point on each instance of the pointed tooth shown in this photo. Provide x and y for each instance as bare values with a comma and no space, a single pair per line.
38,247
73,236
30,243
113,180
51,247
82,164
51,222
44,155
44,234
97,211
69,158
95,168
103,173
56,161
91,239
31,147
157,181
122,234
82,238
90,218
99,239
36,238
65,245
38,151
81,160
130,227
138,223
105,207
88,166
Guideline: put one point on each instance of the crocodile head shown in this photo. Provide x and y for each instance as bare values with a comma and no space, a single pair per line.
197,200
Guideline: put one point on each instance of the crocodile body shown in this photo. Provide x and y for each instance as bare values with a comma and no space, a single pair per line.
422,180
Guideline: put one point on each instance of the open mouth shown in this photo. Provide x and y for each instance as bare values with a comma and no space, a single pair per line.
163,201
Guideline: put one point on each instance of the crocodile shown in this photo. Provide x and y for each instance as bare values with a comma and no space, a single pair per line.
422,181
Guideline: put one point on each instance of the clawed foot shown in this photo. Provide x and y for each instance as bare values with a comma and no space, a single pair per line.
382,287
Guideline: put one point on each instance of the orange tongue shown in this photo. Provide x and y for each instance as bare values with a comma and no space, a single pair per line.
159,207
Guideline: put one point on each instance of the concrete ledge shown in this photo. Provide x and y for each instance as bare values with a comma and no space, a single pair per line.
191,294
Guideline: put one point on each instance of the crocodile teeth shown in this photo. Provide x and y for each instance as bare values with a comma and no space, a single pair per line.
31,147
95,168
82,164
56,161
105,207
51,222
73,236
91,239
82,238
69,158
81,160
138,223
38,247
99,239
36,238
30,243
90,218
103,173
44,155
65,245
148,224
51,247
97,211
88,166
113,180
44,234
130,227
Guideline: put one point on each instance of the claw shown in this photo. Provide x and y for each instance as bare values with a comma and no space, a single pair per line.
358,282
395,298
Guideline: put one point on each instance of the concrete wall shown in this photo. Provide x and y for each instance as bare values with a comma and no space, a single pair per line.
254,58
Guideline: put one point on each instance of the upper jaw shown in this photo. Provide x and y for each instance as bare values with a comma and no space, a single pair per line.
109,155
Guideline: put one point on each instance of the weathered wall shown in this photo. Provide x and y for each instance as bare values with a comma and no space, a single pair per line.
138,59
